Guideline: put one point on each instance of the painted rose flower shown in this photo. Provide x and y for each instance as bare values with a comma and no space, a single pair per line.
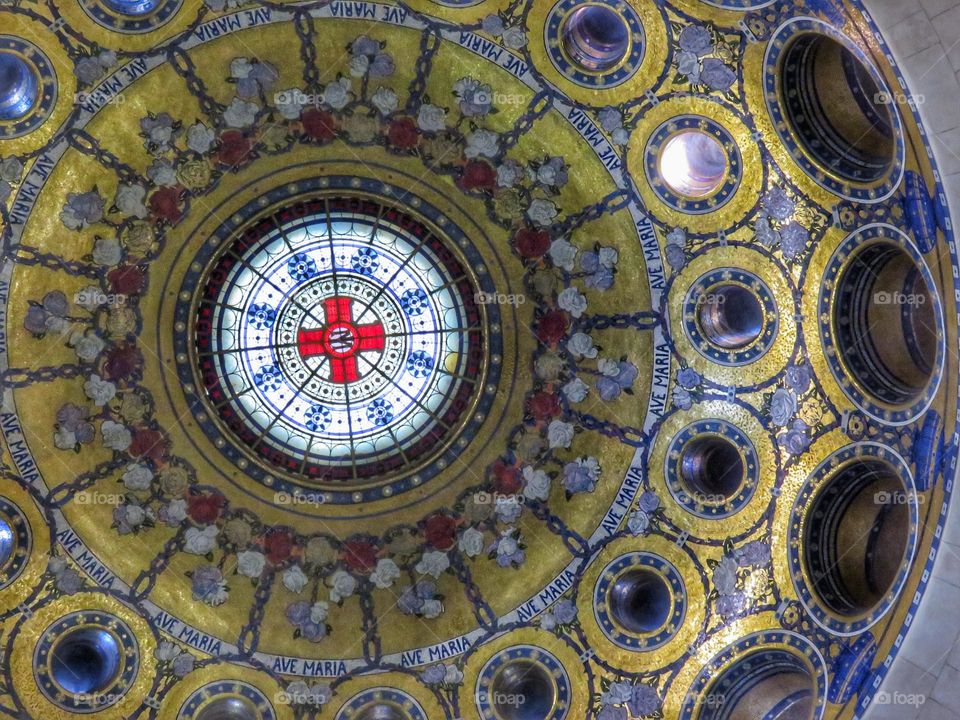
82,210
199,541
560,434
431,118
474,98
581,475
783,406
208,585
471,542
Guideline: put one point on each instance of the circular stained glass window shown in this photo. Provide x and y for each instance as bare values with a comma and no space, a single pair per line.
340,340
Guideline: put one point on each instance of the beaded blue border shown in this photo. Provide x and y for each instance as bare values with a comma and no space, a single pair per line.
41,66
129,662
692,205
553,40
382,695
765,645
872,193
22,542
529,653
740,4
104,15
837,264
702,287
230,449
820,613
226,688
751,464
619,635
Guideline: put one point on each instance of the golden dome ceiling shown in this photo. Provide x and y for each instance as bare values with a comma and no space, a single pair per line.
482,360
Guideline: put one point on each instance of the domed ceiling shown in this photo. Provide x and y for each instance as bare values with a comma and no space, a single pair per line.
451,359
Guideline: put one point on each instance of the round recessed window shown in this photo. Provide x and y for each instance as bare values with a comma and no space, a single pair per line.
693,163
340,340
18,86
595,37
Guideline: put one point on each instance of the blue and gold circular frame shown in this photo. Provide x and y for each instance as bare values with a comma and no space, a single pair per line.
866,466
842,302
533,668
131,16
30,100
778,98
671,613
219,698
744,677
385,702
720,189
16,542
72,638
616,61
705,505
713,290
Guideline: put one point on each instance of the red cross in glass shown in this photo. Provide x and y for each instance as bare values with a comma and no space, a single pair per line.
341,340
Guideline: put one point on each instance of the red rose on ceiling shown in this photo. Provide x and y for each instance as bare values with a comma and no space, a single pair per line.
278,545
552,326
318,124
531,244
360,555
165,205
506,478
478,175
440,531
235,148
127,279
544,405
122,362
403,134
204,508
149,443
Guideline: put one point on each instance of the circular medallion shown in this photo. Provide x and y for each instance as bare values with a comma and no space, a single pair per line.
523,681
131,16
28,87
831,108
730,316
15,542
340,340
768,674
853,535
693,164
595,44
882,324
227,700
382,703
640,601
86,661
712,468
